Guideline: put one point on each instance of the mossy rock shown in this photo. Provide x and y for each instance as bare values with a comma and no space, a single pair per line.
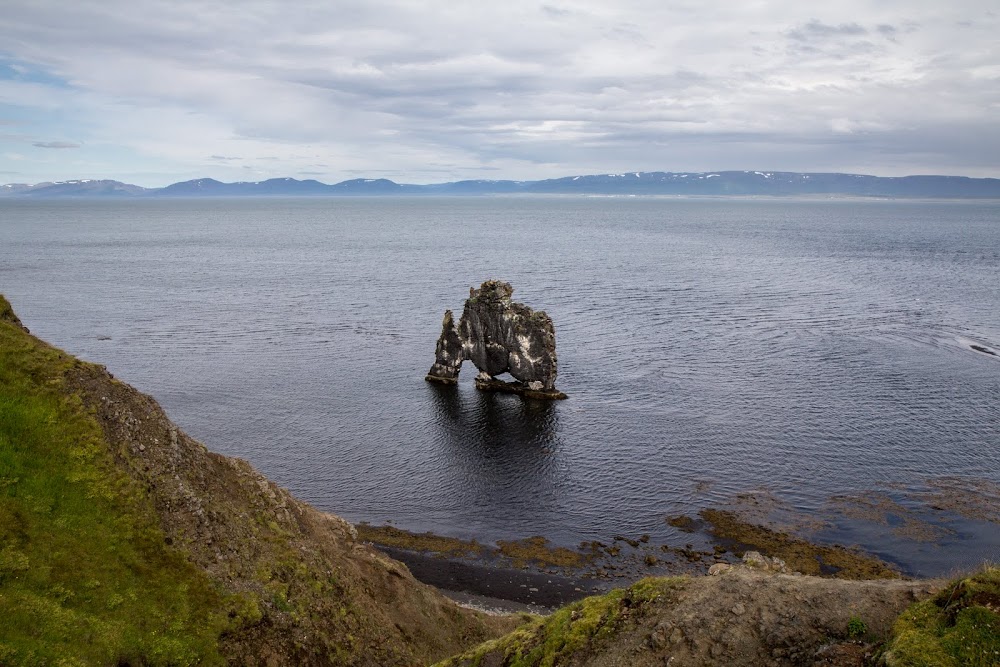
573,632
959,626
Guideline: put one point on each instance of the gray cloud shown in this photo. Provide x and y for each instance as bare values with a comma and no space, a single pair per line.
558,12
817,29
55,144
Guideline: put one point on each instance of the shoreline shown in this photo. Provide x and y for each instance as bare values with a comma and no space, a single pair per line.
533,575
944,515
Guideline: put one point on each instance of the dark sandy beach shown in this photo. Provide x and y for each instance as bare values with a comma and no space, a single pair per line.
539,591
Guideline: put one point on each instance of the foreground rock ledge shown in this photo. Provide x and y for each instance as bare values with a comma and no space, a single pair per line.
748,615
499,336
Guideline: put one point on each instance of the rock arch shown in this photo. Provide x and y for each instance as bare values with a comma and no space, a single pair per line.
498,335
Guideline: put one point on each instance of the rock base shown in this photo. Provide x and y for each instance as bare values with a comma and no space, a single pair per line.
441,380
518,388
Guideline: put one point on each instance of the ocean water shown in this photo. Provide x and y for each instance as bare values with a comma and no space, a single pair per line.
799,350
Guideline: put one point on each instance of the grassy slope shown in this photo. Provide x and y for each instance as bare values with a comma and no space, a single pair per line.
122,540
85,577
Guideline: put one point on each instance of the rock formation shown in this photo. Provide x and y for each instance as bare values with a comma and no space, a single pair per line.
499,336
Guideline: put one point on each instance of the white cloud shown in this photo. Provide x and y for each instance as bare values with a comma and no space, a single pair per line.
431,90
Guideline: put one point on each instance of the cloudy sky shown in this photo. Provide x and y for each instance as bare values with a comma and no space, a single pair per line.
151,92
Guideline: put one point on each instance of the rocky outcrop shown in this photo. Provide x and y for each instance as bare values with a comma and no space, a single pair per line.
499,336
745,616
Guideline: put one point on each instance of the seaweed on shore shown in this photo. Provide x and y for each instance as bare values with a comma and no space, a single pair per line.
427,542
800,555
538,550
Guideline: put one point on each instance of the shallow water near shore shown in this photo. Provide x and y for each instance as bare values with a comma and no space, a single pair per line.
807,351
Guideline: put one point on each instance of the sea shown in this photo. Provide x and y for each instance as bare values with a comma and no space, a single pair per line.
832,364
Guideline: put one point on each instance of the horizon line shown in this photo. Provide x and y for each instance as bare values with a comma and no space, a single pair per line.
622,174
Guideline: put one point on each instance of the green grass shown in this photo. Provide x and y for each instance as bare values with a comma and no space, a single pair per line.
856,628
958,627
85,576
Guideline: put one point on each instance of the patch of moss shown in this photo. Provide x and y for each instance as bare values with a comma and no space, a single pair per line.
856,628
958,626
799,555
576,630
428,542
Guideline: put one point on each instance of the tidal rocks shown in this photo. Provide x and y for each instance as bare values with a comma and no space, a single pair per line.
499,336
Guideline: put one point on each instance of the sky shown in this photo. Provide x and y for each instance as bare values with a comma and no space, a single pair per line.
153,92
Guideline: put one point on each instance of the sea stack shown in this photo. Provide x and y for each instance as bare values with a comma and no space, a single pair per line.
499,335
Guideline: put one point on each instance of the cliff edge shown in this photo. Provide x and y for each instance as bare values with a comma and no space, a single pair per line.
124,541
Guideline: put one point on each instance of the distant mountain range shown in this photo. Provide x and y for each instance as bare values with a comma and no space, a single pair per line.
714,183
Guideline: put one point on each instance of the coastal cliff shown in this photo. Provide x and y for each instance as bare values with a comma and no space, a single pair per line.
124,541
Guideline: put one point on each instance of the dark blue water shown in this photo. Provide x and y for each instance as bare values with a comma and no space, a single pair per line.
709,347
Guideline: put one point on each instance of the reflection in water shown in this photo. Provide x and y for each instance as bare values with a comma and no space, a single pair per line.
506,423
447,402
504,447
496,423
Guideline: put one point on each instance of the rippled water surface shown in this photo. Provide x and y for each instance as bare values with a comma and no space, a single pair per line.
709,347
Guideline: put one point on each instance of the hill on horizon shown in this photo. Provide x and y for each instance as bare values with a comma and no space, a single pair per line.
714,183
